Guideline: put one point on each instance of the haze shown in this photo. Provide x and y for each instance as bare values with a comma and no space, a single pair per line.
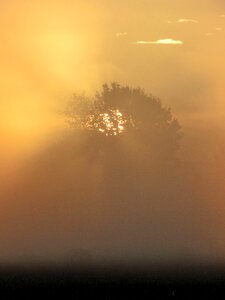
51,49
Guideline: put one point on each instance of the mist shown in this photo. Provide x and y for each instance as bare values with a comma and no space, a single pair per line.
53,199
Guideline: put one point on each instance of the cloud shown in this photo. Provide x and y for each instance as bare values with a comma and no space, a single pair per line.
222,16
218,28
121,33
163,42
187,21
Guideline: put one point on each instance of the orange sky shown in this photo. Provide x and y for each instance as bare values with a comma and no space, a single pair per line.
52,48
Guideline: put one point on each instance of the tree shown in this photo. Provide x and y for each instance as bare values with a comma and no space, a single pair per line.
123,113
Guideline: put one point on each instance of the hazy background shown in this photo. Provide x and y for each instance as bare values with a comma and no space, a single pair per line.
50,49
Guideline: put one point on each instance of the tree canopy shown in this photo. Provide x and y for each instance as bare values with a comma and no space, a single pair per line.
122,112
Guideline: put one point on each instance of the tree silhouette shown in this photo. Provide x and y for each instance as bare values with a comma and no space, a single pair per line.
123,113
131,141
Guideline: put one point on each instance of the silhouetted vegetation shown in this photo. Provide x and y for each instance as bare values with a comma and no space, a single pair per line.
127,114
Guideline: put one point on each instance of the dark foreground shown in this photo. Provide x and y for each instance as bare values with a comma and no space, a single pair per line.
118,282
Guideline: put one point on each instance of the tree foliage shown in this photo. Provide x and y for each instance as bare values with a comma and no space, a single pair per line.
121,112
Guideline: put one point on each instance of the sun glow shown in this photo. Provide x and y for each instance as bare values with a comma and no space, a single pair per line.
112,123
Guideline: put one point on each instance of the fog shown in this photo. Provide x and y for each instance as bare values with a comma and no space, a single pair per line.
53,198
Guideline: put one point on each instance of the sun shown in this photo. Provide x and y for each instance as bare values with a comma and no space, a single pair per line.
112,123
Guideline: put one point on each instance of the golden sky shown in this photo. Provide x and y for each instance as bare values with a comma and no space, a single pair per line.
51,48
